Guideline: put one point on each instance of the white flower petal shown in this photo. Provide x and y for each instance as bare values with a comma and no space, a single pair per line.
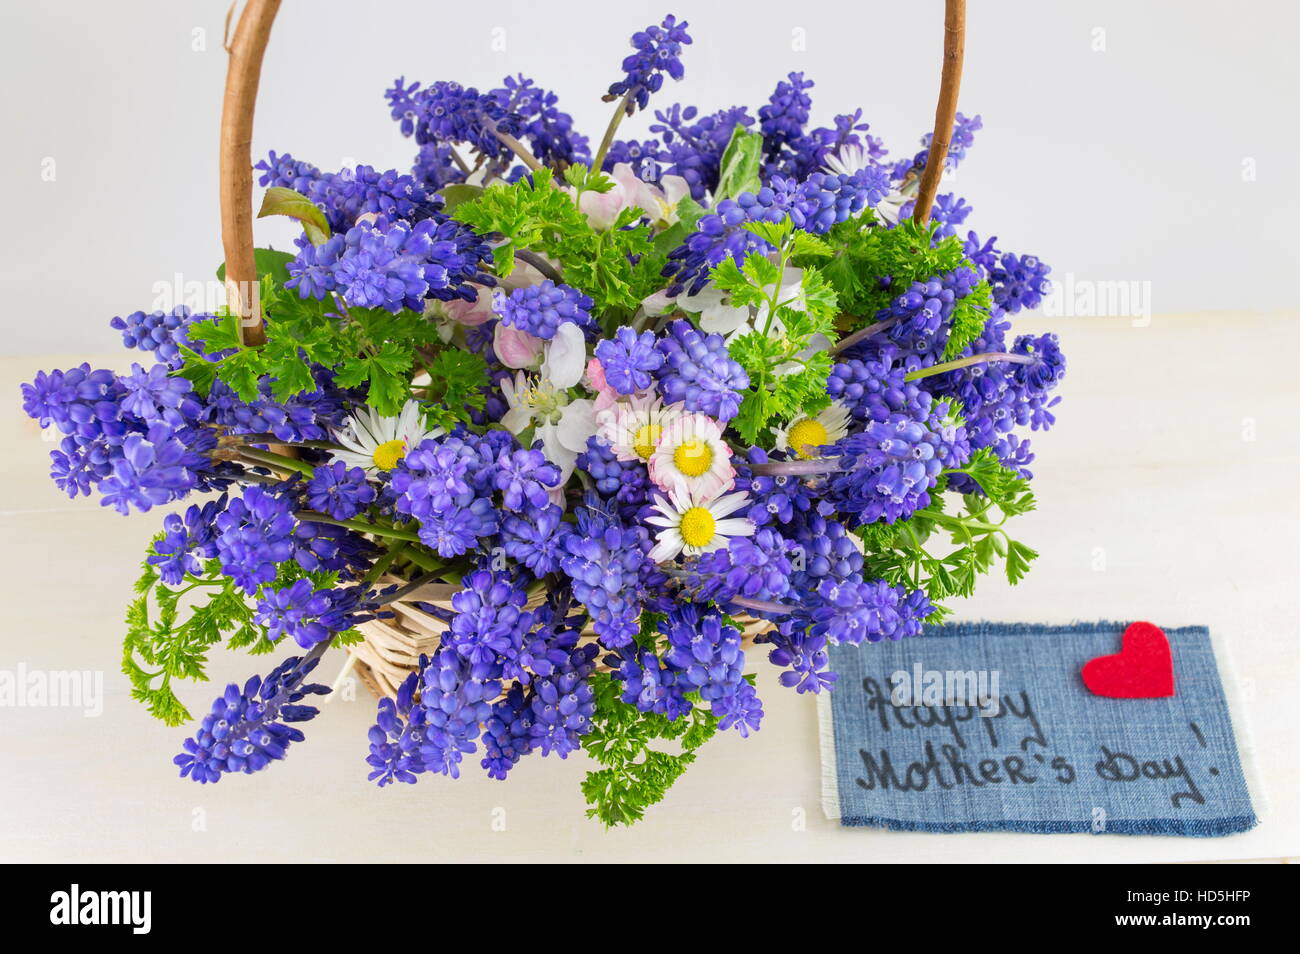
566,356
577,423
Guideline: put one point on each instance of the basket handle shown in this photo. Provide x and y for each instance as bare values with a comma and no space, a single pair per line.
247,49
945,113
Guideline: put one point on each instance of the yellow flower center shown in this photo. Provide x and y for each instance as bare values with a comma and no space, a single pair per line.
693,457
389,453
697,527
806,436
647,436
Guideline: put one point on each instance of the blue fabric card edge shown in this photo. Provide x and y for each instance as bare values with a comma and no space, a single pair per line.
1216,828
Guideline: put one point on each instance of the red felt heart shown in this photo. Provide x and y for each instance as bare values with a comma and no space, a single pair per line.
1142,669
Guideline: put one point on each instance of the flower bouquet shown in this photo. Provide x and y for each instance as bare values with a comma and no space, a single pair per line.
628,410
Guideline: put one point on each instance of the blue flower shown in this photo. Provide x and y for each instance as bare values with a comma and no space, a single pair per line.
456,697
446,112
397,735
890,466
628,359
699,371
149,395
856,612
657,51
490,620
783,118
611,572
161,333
535,538
875,388
648,684
186,541
623,484
247,729
445,485
393,265
756,567
709,657
339,491
295,610
255,534
525,477
541,309
548,131
691,148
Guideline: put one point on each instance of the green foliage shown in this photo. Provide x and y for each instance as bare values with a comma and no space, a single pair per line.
456,381
281,201
906,551
634,775
786,375
740,164
617,267
168,636
370,348
904,253
968,317
269,262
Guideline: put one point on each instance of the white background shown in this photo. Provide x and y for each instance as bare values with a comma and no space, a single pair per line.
1122,163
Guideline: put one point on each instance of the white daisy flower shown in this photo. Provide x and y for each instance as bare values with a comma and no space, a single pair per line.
806,435
375,443
691,455
694,524
633,428
848,159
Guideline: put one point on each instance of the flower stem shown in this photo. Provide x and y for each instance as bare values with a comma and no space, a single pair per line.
862,333
541,264
762,606
360,525
272,439
967,362
797,468
612,128
385,561
278,461
518,148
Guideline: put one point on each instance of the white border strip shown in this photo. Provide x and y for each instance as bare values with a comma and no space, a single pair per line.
826,743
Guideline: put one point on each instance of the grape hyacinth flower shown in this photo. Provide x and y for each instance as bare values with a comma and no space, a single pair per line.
339,490
658,51
709,658
255,535
187,540
699,372
628,360
393,265
249,728
890,466
540,309
612,574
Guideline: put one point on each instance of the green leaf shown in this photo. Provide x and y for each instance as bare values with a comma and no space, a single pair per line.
740,164
458,193
269,262
281,201
634,775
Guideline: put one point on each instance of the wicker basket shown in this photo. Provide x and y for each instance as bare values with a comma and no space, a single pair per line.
391,648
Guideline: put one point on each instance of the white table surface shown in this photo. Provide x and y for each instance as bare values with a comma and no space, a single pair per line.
1174,467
